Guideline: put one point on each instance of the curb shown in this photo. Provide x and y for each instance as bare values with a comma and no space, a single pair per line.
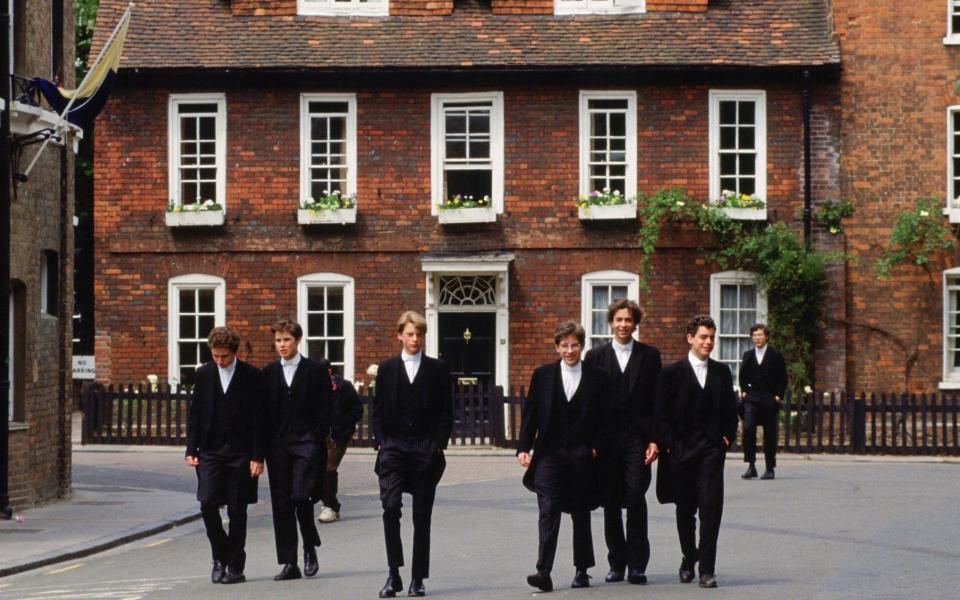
101,544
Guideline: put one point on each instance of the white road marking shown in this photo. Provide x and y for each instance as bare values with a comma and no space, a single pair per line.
65,569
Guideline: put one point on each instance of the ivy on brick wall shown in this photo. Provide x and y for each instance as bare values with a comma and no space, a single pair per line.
792,276
917,235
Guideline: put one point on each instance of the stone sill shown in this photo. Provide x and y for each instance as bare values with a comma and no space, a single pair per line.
18,426
949,385
953,214
607,212
453,216
194,218
339,216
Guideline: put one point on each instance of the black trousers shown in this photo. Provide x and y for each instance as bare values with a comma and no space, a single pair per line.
228,548
626,472
413,466
557,470
293,470
699,486
762,411
331,480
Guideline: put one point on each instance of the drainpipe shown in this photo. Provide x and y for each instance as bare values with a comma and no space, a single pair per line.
5,511
807,192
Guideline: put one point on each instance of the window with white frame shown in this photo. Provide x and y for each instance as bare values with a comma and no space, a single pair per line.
467,147
49,283
581,7
343,7
736,303
325,311
598,290
328,145
953,157
738,143
951,328
953,22
197,133
196,304
608,142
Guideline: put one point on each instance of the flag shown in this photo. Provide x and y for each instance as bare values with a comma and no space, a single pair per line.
83,104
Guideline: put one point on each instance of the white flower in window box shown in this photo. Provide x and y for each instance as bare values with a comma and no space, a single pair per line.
742,207
331,208
466,209
606,205
196,214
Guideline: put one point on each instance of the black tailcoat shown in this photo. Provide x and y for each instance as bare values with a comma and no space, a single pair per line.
592,429
244,431
767,380
632,403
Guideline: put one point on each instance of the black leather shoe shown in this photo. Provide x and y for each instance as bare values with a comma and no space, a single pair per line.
541,580
393,585
750,473
708,581
216,574
768,474
614,575
289,571
686,571
581,579
231,575
636,577
416,588
310,565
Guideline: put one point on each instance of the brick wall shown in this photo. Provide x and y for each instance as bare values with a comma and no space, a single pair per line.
677,5
263,7
894,103
420,8
261,251
39,456
522,7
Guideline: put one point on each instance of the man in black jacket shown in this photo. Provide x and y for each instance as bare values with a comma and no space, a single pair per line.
632,368
763,381
411,421
347,412
225,443
696,421
299,402
564,429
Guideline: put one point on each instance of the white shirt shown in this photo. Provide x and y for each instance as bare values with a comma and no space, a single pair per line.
760,352
290,368
699,369
411,362
571,378
623,353
226,374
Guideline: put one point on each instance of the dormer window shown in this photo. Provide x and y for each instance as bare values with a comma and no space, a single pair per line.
602,7
373,8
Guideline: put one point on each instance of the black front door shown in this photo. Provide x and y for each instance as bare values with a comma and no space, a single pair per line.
467,345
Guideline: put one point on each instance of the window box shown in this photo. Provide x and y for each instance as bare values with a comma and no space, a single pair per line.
599,212
481,214
745,214
194,218
335,216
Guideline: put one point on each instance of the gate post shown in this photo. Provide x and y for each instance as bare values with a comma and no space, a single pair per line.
858,426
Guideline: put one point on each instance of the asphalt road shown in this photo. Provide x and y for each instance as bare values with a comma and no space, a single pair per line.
824,529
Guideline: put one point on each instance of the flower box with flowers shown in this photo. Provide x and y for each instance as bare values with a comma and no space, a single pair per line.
332,208
198,214
606,205
741,207
466,209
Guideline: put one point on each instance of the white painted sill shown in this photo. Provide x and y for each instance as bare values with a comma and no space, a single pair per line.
453,216
336,216
194,218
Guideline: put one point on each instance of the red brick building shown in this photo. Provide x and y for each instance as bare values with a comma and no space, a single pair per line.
259,107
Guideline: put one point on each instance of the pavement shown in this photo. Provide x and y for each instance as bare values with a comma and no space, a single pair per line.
828,527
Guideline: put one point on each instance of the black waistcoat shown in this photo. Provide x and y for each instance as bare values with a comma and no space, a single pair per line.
703,410
217,437
566,416
411,405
